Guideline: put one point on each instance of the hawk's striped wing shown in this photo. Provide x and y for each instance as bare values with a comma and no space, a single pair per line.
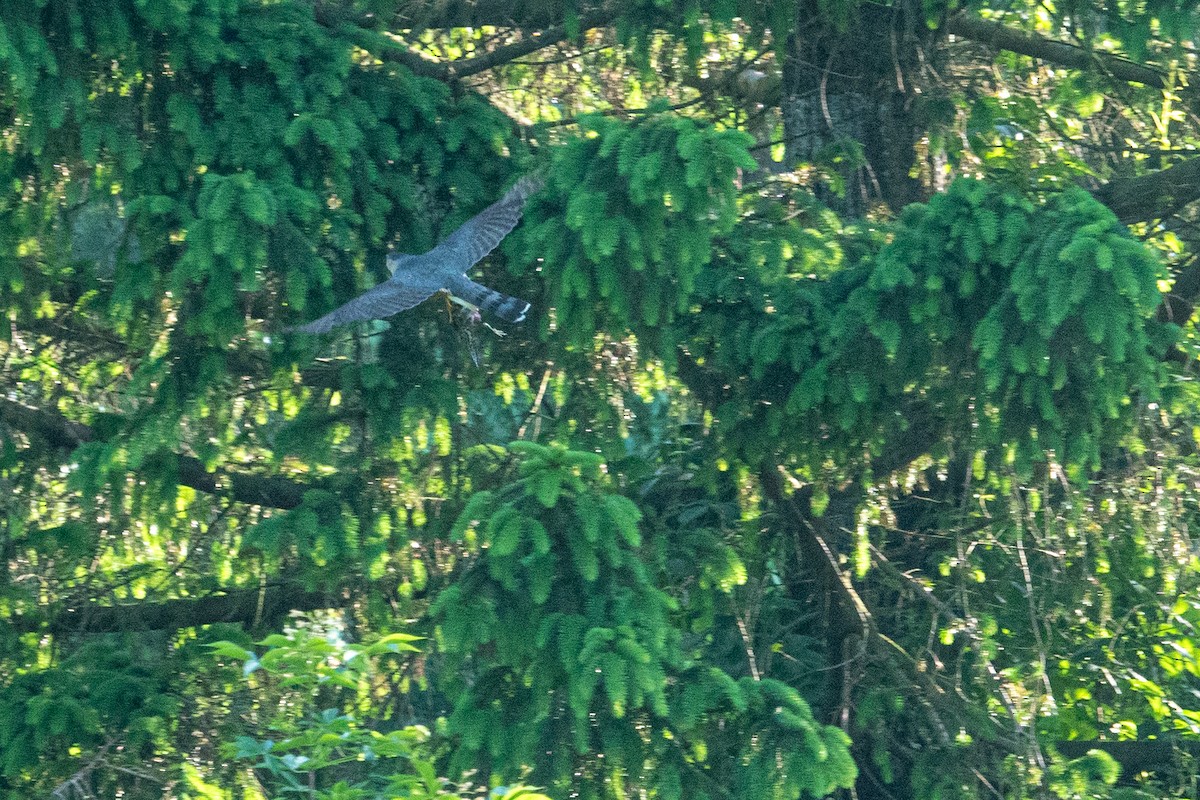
382,301
416,278
479,235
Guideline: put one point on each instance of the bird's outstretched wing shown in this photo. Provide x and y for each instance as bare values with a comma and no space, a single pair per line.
382,301
479,235
416,278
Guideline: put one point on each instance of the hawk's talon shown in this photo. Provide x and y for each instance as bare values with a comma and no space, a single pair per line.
469,313
472,316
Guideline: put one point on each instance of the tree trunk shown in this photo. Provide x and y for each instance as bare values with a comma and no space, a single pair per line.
848,105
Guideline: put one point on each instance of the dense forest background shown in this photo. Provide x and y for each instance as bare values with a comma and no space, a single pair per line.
850,448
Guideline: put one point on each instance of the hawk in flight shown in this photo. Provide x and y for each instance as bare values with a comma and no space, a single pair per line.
417,278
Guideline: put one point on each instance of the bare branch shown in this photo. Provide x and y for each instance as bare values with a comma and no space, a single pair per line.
848,613
244,606
1153,196
423,14
462,68
79,785
547,16
1000,36
262,490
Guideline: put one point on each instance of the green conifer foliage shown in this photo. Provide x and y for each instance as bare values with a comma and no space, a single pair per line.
560,644
728,402
1037,315
180,178
642,205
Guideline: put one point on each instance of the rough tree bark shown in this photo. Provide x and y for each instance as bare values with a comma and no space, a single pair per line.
849,89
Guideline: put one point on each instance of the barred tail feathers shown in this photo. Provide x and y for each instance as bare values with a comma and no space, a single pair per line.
509,309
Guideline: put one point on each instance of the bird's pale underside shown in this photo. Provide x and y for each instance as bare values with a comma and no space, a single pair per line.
416,278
